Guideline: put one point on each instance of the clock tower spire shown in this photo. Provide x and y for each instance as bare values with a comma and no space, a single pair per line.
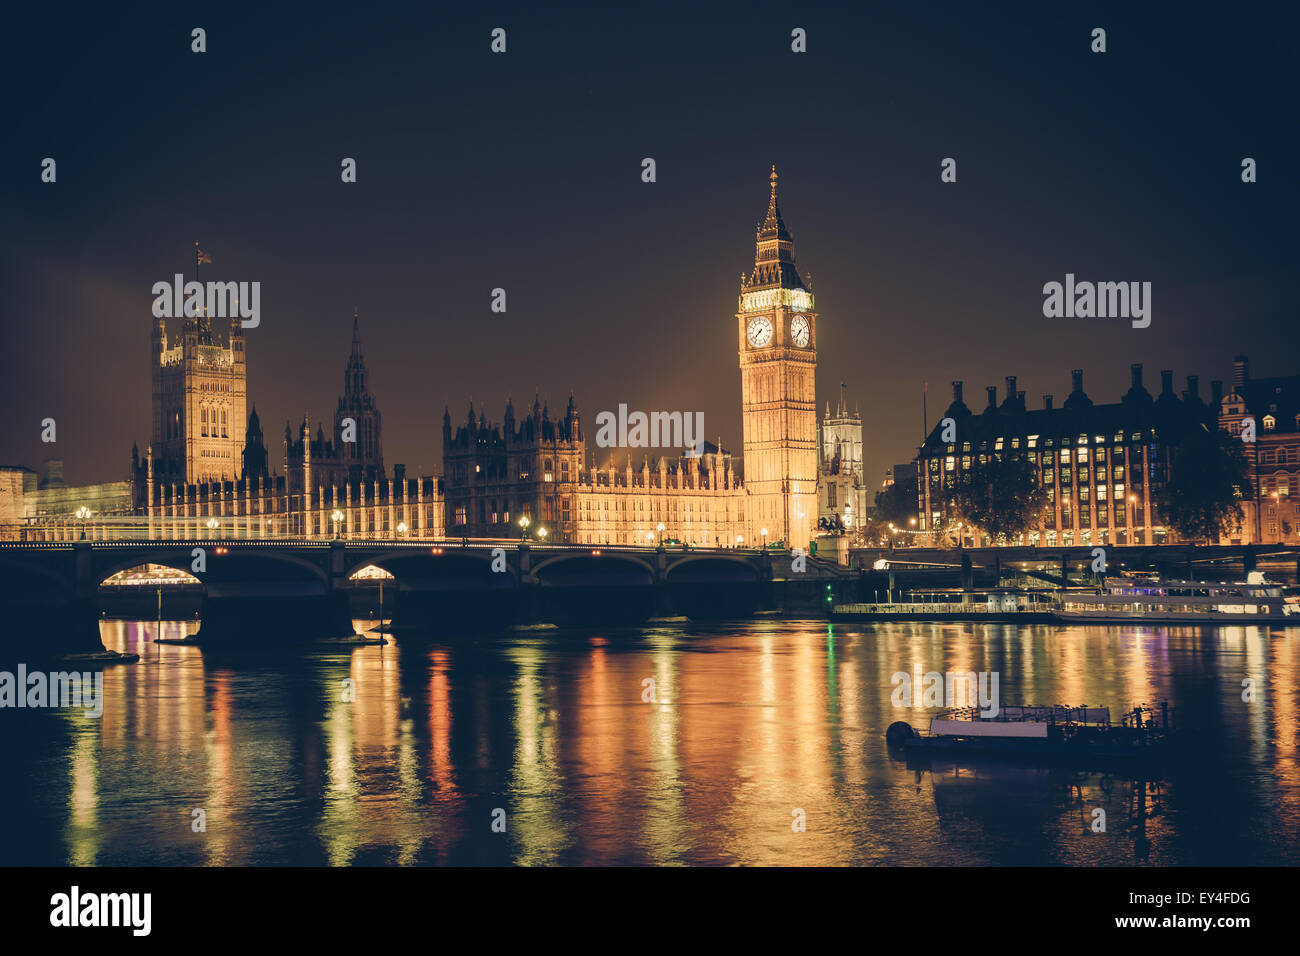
777,330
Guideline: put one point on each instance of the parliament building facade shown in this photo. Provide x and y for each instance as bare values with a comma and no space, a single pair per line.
208,469
538,468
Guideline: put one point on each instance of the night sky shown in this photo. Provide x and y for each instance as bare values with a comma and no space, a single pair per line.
522,171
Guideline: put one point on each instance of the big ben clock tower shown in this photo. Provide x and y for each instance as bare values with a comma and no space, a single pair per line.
777,330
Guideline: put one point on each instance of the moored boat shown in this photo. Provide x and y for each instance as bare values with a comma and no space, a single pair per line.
1128,599
1050,734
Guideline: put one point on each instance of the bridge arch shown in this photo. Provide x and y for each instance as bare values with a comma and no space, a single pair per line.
30,580
713,567
232,564
584,567
439,568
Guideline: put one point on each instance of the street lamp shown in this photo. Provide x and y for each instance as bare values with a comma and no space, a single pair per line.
649,535
336,517
401,527
541,534
83,515
740,540
523,526
660,529
763,532
212,526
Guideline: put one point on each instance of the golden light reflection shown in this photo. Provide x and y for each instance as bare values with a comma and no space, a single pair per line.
751,722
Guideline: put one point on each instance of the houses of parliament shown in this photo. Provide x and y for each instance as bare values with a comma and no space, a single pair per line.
208,467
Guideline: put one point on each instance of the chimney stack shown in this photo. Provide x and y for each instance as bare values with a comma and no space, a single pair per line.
1240,371
1167,381
1076,377
1047,402
1194,387
993,395
1011,387
956,392
1136,371
1216,394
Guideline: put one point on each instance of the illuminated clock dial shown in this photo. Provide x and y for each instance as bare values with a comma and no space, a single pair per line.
760,331
799,331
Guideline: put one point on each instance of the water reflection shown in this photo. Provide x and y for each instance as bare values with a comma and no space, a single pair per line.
656,745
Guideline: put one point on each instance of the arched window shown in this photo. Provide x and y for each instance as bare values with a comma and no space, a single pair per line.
203,421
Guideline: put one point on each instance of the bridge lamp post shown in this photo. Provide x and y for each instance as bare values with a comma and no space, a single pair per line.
83,515
763,532
740,540
649,535
523,527
336,517
660,528
541,534
211,525
401,527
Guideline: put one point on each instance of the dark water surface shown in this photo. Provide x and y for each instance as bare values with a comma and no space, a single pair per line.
753,723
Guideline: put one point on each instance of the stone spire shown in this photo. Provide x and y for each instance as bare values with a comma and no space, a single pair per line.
774,250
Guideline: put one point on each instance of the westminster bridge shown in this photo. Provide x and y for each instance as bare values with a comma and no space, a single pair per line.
284,589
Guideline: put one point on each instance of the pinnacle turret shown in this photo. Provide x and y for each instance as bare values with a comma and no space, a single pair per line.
774,250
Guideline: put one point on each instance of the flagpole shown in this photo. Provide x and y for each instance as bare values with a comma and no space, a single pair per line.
925,411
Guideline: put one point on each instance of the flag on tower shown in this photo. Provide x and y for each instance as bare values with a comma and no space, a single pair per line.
203,257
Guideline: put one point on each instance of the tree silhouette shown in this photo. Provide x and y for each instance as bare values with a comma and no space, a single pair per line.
1000,496
897,503
1208,478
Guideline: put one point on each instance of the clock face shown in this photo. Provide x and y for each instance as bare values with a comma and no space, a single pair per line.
799,331
760,331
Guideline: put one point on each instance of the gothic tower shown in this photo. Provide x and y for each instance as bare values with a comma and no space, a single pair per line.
363,457
777,330
199,395
255,455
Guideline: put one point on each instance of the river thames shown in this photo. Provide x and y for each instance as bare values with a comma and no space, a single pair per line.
543,748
